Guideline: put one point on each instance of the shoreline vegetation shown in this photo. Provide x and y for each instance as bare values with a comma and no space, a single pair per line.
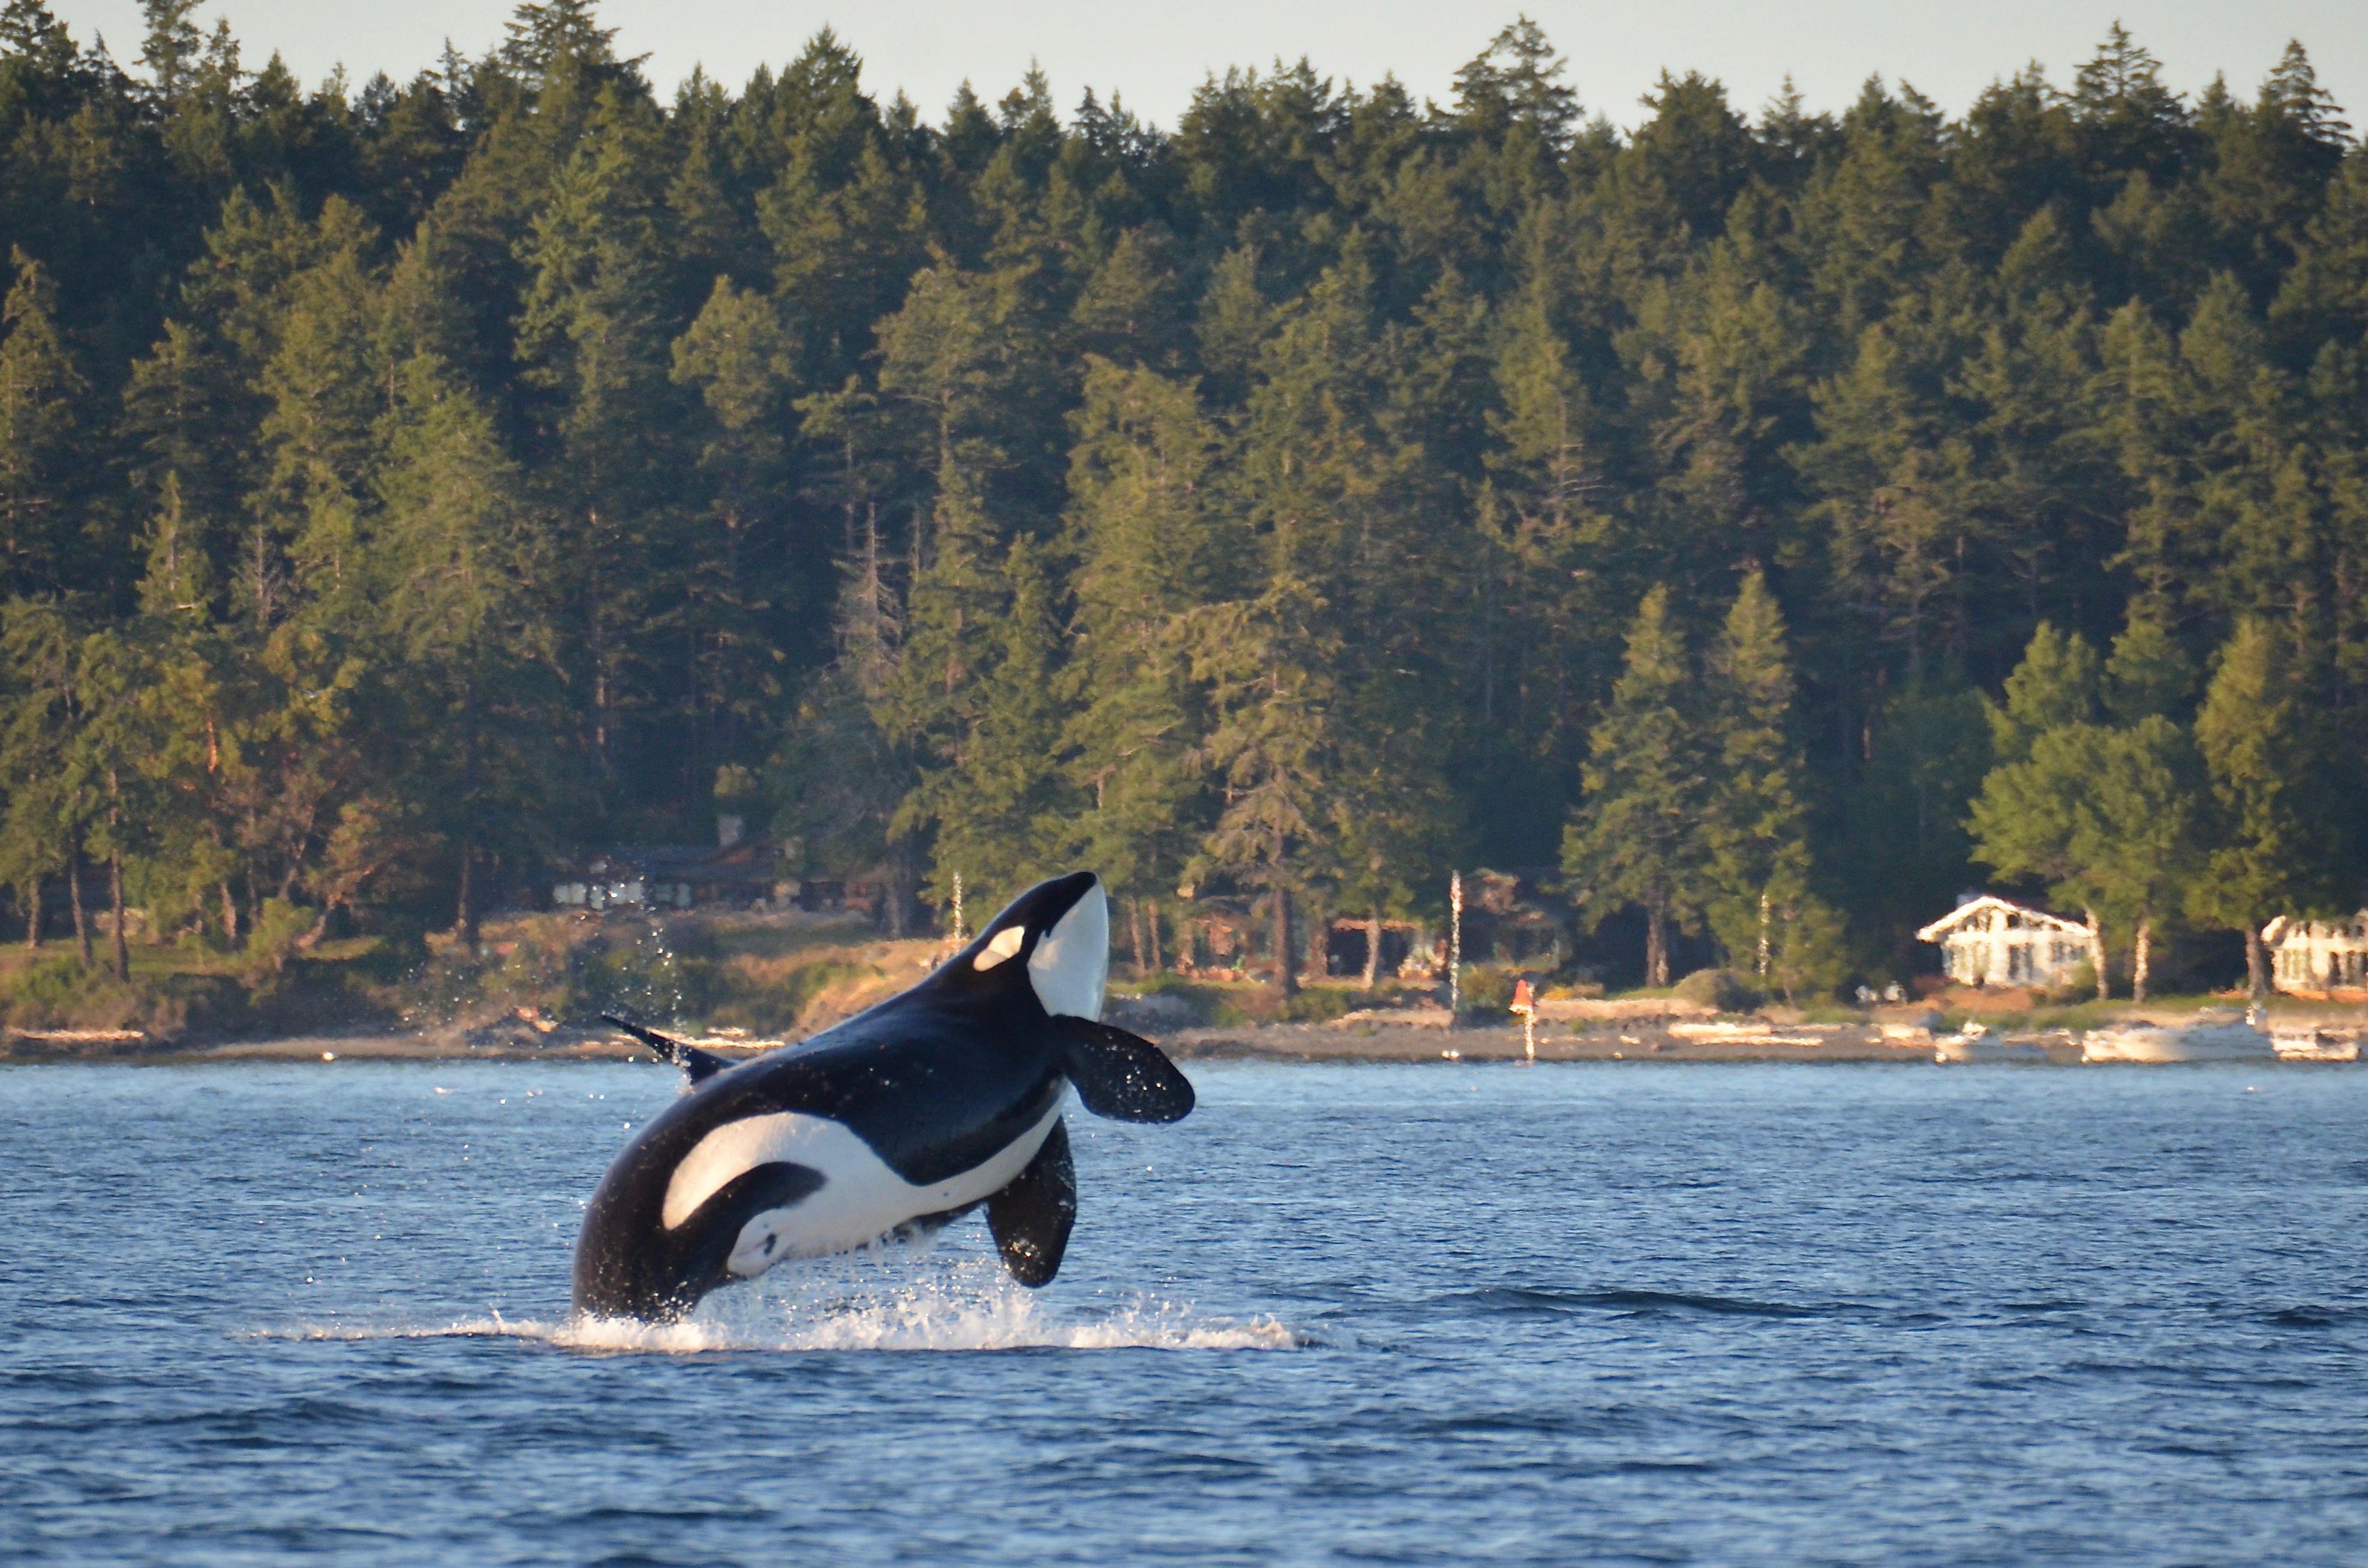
750,983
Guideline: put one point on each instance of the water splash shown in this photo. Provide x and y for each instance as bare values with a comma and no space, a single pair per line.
972,1306
670,967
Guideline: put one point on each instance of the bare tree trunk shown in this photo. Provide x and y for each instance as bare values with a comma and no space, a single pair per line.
115,875
1286,973
464,917
2257,966
2141,960
1134,930
2097,955
1657,946
1151,918
900,875
230,915
74,898
32,891
115,902
1373,949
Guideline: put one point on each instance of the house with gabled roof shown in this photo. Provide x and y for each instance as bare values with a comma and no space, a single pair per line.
1989,940
2317,955
737,873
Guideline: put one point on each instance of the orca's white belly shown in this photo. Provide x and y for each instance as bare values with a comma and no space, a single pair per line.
860,1201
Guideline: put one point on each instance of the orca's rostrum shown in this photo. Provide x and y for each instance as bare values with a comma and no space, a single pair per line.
901,1118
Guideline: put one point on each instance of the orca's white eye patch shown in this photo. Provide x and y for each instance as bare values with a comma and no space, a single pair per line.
999,947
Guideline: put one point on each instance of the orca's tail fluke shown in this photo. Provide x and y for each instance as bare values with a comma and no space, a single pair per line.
700,1064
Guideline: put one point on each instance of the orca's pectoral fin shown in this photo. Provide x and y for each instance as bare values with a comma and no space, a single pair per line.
1122,1075
701,1064
1031,1219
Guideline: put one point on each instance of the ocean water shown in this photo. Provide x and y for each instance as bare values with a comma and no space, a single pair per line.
1373,1314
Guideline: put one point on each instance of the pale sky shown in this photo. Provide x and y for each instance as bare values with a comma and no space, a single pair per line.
1153,55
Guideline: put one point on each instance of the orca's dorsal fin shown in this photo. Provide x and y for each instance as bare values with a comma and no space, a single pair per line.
1120,1075
700,1064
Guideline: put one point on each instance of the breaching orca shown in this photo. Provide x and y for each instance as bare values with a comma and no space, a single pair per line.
901,1118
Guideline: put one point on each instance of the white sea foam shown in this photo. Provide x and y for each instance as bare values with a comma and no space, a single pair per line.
970,1306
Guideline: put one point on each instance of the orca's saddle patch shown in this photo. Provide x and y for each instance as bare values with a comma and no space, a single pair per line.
1031,1219
1120,1075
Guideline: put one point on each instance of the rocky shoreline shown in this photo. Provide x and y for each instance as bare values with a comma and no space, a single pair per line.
1663,1040
1400,1038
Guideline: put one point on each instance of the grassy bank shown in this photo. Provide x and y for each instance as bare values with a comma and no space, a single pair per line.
535,971
544,975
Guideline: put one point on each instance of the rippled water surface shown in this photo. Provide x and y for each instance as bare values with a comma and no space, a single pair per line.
1370,1315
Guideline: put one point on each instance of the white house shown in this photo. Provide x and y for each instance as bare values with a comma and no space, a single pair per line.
2317,955
1990,941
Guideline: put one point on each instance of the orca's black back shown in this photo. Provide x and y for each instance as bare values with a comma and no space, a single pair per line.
934,1091
935,1081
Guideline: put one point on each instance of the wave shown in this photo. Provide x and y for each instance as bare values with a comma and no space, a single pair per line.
962,1309
1521,1299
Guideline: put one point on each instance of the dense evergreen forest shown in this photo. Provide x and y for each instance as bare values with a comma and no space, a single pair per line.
1768,524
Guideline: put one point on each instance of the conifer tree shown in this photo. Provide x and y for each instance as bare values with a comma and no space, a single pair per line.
2028,820
742,356
2098,790
2279,841
995,808
463,573
1635,838
594,338
172,47
1755,821
1151,545
327,391
1272,745
103,765
1561,565
39,437
36,839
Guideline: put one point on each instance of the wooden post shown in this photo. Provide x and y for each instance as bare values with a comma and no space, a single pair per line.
1454,941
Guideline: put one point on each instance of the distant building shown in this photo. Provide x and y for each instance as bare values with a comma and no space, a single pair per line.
1989,940
2317,955
738,873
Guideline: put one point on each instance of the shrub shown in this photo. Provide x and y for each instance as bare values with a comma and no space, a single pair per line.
264,961
1316,1004
1719,988
1487,988
2075,985
57,992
